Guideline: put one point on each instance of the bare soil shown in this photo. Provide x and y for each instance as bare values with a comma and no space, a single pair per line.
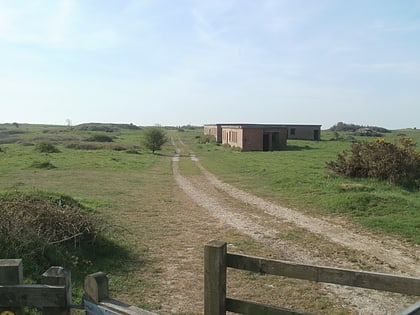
217,207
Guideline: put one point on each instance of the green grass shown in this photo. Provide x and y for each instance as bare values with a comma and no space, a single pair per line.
134,192
187,167
298,178
114,183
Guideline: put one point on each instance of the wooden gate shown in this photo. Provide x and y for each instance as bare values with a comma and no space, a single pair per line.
217,260
53,296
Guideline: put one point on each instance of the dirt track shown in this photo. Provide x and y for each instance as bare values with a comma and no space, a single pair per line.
321,242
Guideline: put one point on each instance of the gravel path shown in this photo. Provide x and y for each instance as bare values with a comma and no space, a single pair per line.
380,254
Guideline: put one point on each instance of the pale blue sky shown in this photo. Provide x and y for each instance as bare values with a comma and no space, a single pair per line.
176,62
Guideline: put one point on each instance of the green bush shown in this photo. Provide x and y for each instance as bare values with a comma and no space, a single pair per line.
43,165
203,139
83,146
341,126
154,138
395,163
46,147
100,138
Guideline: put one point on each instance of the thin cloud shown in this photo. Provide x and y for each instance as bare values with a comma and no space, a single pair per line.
402,67
53,25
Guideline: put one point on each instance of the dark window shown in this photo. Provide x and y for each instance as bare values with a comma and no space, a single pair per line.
292,131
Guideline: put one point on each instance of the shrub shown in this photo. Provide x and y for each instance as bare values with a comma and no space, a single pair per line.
46,147
83,146
395,163
35,225
132,151
97,127
154,138
341,126
203,139
43,165
100,138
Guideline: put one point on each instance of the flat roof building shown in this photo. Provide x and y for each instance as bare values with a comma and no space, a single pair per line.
261,137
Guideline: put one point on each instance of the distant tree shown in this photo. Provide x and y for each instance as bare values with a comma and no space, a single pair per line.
154,138
16,124
341,126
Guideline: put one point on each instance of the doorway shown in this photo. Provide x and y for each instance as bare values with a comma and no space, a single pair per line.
266,142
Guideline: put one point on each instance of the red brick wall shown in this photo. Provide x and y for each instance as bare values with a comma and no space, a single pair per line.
253,139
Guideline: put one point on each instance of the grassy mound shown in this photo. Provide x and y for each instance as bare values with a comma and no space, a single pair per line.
44,228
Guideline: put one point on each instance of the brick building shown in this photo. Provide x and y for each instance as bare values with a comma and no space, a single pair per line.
261,137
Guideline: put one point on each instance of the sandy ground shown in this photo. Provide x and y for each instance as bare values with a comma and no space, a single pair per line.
325,242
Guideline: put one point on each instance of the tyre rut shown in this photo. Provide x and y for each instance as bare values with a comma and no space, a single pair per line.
207,191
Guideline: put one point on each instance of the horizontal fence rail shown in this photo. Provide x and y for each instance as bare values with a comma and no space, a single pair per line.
37,295
353,278
53,296
217,260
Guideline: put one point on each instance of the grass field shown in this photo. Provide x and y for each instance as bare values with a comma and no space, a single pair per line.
120,179
114,182
297,177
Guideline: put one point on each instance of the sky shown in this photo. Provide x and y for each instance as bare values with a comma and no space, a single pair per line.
179,62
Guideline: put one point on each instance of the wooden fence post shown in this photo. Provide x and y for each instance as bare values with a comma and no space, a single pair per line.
58,276
215,278
96,287
11,272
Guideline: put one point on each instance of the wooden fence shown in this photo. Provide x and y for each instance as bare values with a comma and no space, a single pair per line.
53,296
217,260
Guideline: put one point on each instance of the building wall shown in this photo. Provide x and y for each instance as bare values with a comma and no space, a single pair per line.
254,138
259,137
298,132
278,139
232,136
210,130
304,132
214,130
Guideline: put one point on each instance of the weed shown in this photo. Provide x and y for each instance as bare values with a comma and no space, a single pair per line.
100,138
43,165
83,146
46,147
203,139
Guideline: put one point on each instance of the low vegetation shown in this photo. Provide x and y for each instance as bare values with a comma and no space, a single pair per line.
395,163
46,147
43,165
135,192
298,178
100,138
42,224
344,127
203,139
44,228
154,138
